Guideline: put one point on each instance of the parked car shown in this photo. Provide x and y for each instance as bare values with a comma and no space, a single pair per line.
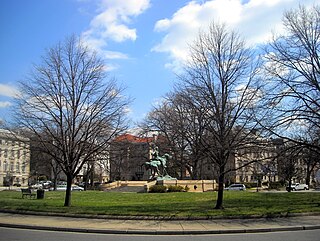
37,186
236,187
297,187
73,188
76,188
61,187
47,184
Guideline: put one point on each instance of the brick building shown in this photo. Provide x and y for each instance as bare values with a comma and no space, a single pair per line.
127,155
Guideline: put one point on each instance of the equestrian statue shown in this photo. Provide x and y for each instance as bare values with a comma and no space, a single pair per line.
157,164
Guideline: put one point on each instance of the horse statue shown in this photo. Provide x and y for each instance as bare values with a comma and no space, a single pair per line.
157,164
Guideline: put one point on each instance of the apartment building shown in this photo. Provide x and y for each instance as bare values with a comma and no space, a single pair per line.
14,159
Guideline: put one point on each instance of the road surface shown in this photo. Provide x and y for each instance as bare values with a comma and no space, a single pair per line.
31,235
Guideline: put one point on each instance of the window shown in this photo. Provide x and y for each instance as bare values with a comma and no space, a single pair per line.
23,168
11,166
5,166
18,167
5,153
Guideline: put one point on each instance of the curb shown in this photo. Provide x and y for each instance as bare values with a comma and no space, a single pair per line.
159,218
161,232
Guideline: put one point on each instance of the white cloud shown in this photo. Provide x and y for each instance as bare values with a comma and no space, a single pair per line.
253,19
4,104
114,55
112,24
8,90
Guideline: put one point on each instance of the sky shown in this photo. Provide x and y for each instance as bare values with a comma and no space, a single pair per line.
144,43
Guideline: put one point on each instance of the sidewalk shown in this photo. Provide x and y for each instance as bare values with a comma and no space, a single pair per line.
161,227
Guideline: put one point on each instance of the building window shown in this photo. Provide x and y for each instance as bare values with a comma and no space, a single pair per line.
5,166
5,153
11,166
23,168
18,167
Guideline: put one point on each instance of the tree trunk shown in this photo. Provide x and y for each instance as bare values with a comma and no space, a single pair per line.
67,200
308,176
290,183
220,193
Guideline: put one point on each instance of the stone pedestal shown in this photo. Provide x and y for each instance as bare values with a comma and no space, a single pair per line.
193,185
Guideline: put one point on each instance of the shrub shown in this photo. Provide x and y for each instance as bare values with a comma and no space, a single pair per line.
275,185
176,189
158,189
250,184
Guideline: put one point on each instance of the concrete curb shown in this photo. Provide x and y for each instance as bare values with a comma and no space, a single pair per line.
158,218
161,232
293,225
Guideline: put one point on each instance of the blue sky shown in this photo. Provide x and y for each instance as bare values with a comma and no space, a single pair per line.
144,42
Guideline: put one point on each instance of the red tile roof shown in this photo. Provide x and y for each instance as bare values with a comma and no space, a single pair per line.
132,138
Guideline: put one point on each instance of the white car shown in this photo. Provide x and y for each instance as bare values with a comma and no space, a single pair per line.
61,188
73,188
236,187
298,186
76,188
37,186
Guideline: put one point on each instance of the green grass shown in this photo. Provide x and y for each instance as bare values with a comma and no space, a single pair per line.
166,204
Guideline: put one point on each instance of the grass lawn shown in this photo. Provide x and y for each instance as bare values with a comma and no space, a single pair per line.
166,204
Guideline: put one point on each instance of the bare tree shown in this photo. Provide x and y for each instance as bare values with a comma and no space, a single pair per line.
71,107
290,162
309,142
293,70
221,78
183,127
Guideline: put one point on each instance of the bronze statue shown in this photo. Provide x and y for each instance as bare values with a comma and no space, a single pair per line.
157,164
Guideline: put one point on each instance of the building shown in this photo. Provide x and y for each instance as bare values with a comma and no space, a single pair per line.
14,159
259,162
96,171
128,153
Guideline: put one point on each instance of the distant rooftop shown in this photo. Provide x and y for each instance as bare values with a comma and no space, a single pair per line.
134,139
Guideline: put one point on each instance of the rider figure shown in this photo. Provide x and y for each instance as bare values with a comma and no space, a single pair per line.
155,153
156,157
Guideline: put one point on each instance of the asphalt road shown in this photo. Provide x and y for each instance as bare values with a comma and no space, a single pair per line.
28,235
